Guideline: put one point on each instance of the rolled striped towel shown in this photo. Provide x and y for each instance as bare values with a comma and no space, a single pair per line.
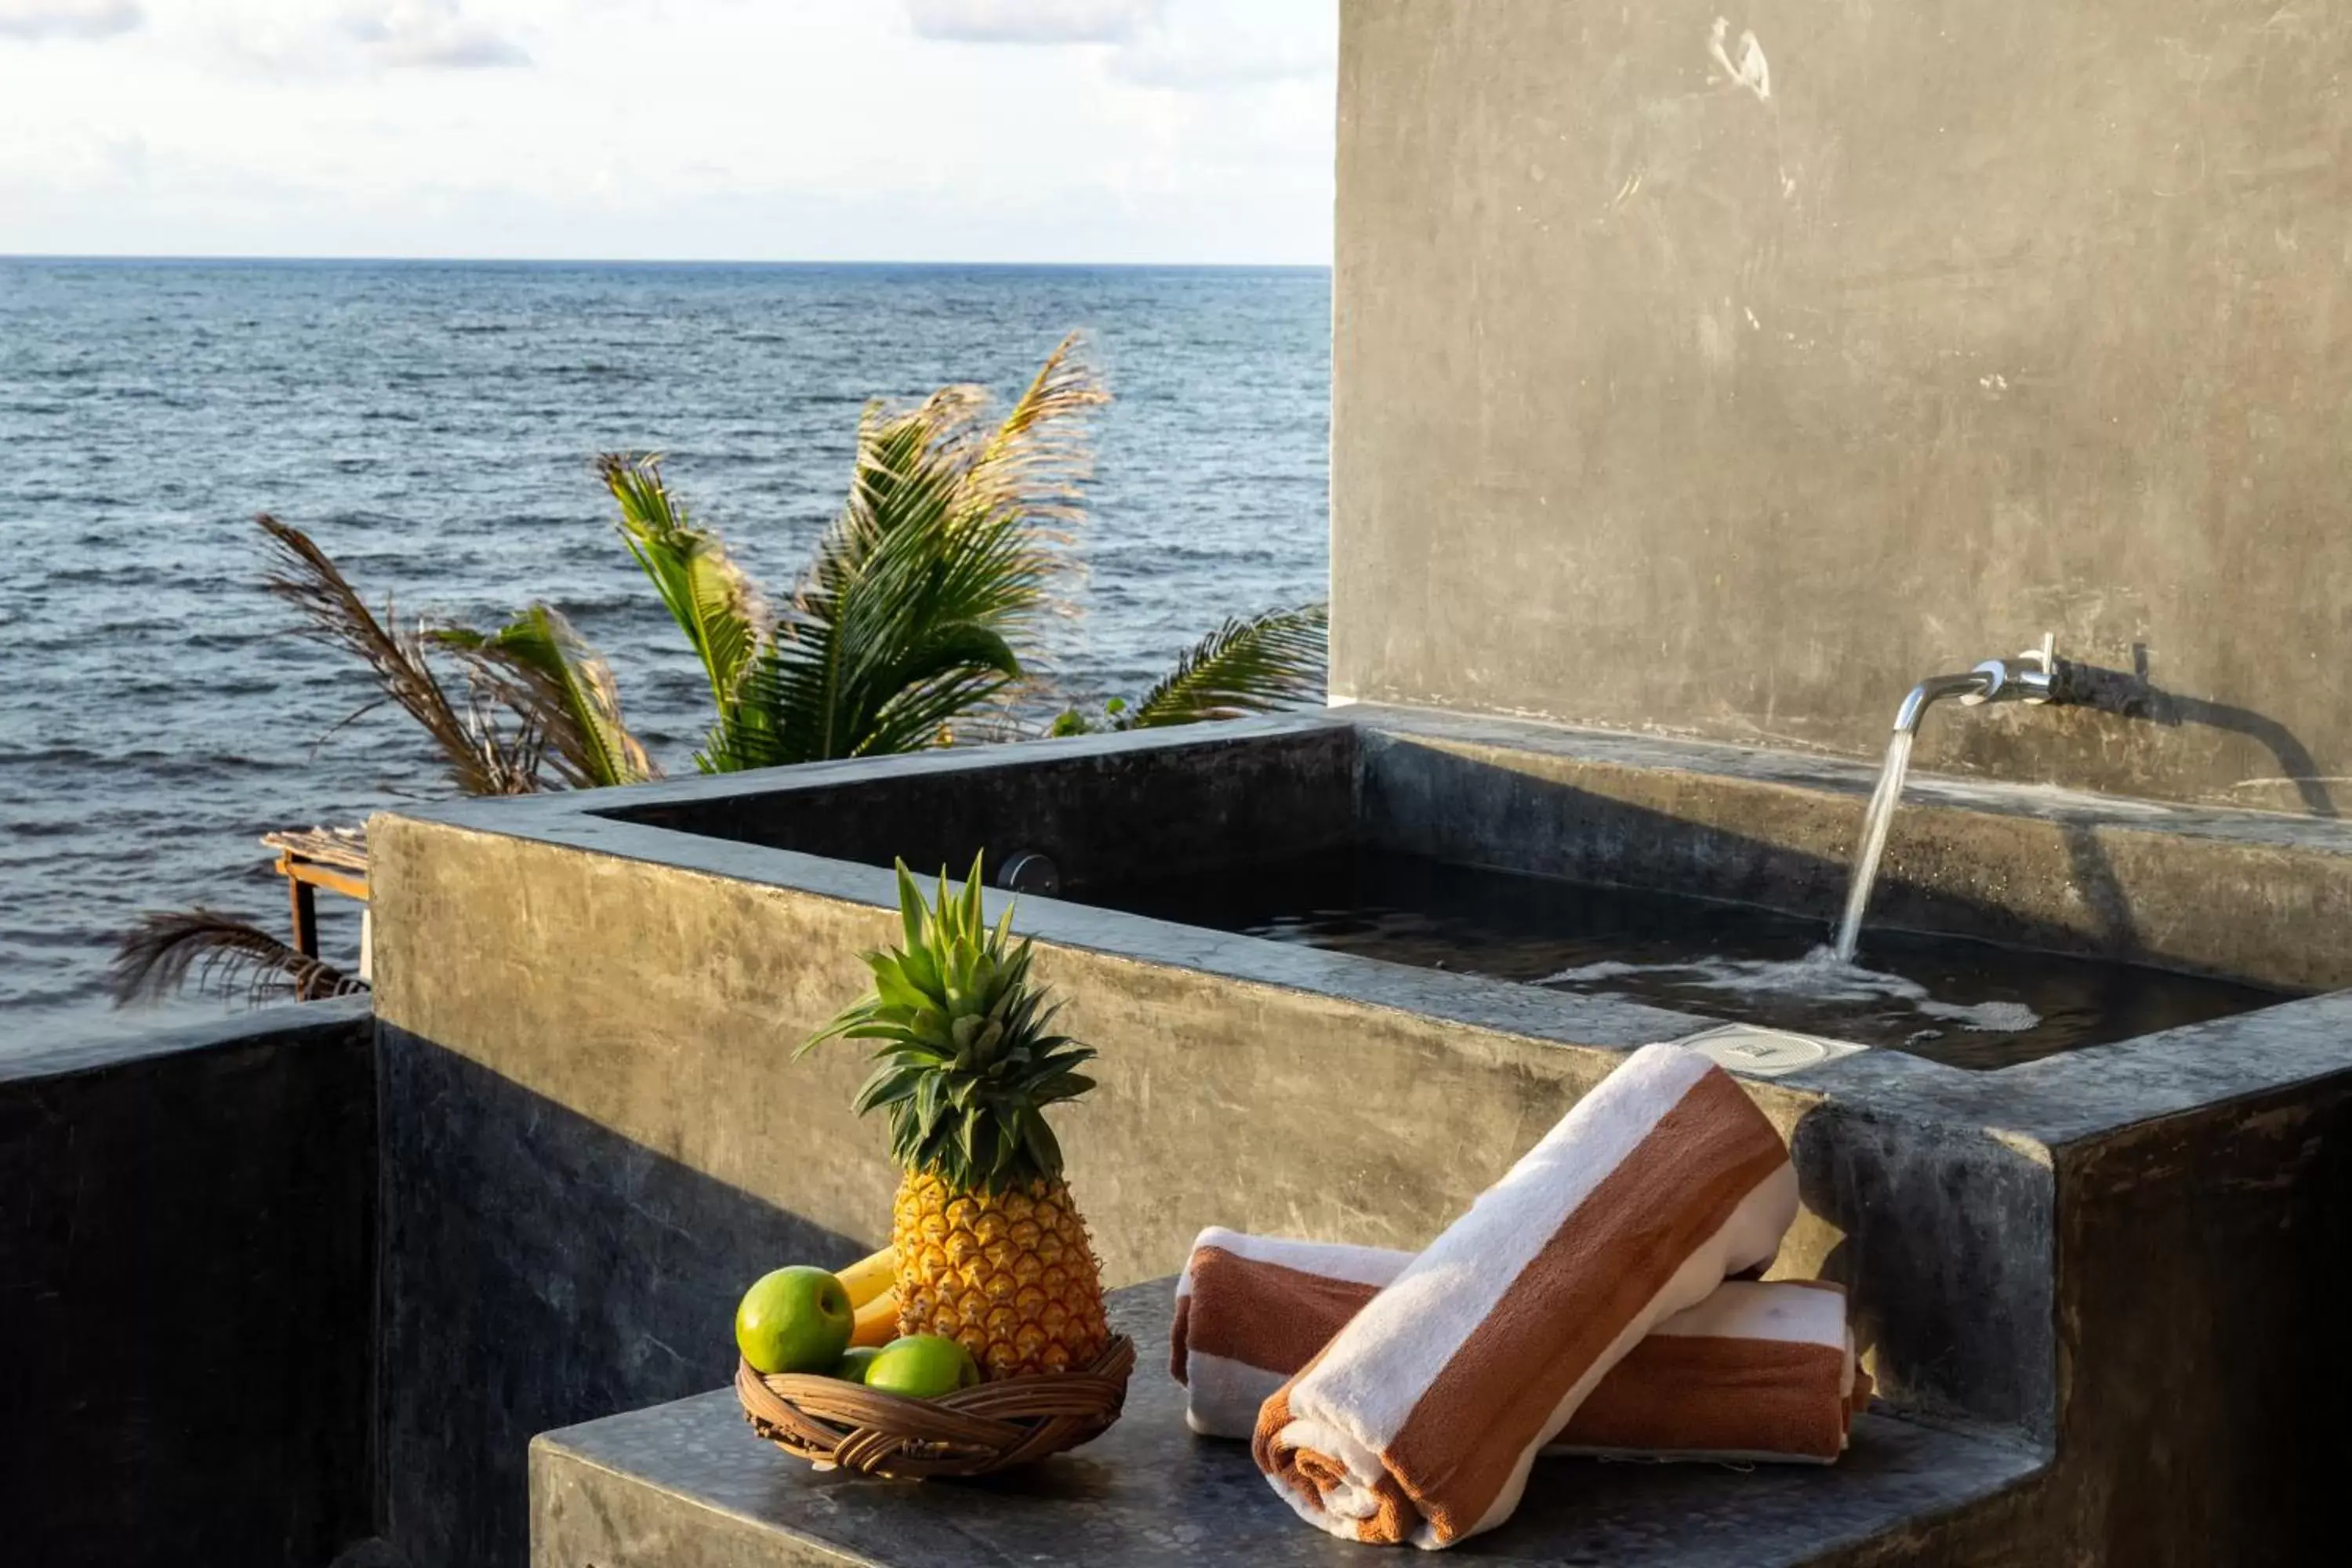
1418,1421
1755,1372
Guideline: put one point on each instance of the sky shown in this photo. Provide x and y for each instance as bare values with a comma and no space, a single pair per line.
1109,131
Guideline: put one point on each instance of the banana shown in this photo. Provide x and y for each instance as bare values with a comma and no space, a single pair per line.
869,1277
878,1321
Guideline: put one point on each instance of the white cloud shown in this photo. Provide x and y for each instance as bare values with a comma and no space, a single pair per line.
1205,44
1188,46
1030,21
68,18
308,38
430,32
666,129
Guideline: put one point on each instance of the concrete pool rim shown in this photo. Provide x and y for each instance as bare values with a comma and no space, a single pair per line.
2052,1101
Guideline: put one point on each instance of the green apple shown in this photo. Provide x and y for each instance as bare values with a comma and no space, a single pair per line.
795,1320
854,1360
922,1366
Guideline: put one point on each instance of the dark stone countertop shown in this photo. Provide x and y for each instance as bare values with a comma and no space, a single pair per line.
686,1485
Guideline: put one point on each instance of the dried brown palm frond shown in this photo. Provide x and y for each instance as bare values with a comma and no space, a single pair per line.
482,759
218,953
561,707
1039,460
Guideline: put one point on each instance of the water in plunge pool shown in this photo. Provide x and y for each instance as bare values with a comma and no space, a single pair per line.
1967,1003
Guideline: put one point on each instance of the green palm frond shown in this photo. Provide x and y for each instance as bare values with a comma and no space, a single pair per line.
1267,661
219,954
714,602
545,672
483,759
919,610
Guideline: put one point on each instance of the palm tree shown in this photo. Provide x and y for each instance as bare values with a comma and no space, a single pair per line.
918,608
913,626
561,690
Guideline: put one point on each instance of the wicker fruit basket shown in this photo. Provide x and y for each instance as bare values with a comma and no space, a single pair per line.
971,1432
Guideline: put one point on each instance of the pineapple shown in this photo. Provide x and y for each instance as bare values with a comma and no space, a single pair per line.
991,1250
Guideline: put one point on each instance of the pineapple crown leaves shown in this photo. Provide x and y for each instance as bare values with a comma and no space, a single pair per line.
965,1059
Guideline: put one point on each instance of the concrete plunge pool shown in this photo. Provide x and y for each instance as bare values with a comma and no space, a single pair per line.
1341,969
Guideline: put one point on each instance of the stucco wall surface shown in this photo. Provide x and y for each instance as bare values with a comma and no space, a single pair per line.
1724,370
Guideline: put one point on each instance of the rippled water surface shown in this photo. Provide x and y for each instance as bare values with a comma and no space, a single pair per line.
431,426
1965,1004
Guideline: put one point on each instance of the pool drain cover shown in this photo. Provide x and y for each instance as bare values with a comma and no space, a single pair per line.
1767,1053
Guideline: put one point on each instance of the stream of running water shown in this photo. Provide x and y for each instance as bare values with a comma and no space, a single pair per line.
1875,823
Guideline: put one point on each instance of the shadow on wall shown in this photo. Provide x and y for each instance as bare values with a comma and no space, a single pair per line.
1946,1246
2130,694
2204,1284
2025,880
2162,1307
1769,847
1209,802
539,1270
2094,871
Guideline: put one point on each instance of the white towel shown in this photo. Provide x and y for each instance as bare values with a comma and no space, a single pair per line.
1756,1373
1418,1420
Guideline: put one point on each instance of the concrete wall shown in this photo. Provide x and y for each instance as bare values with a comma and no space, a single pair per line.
2249,896
1660,402
594,1136
2199,1418
187,1332
1267,796
2119,1258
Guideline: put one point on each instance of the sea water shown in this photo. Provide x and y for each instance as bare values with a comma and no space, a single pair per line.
432,425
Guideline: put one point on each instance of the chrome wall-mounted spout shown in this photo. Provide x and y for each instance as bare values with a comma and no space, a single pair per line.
2032,677
2029,679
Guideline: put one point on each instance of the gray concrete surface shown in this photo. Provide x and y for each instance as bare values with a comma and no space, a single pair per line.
540,1268
601,1013
2204,1263
187,1260
2249,895
1665,404
687,1486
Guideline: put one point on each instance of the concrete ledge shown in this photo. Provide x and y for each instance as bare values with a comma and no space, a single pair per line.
186,1272
687,1486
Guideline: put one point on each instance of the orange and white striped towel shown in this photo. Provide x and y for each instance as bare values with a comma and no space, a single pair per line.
1755,1372
1418,1421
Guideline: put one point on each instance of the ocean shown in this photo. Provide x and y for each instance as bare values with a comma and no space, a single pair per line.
431,424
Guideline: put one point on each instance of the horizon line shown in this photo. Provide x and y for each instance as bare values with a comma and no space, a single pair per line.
326,260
